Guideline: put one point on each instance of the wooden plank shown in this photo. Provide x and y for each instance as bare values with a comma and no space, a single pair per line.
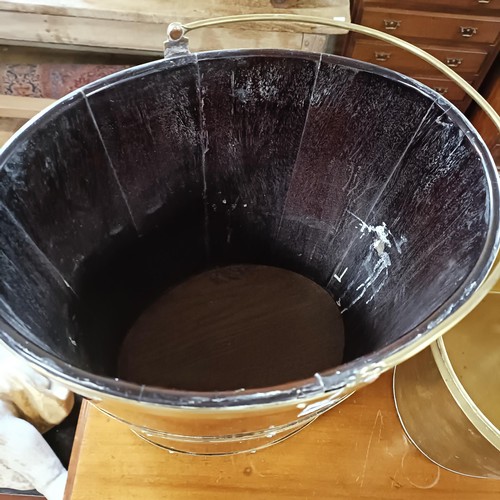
129,35
98,51
164,11
357,450
129,26
233,38
21,107
7,128
20,497
77,446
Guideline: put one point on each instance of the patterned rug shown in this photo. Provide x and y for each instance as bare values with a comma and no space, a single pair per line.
50,80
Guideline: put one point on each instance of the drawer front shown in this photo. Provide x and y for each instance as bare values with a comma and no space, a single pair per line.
445,87
432,25
462,105
495,152
389,56
479,7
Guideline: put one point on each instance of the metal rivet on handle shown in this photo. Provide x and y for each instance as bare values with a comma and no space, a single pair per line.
175,31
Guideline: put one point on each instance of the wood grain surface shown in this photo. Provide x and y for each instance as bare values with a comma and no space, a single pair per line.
124,25
21,107
7,128
357,450
265,327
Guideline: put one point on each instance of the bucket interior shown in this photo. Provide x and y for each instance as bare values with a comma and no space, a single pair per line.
354,177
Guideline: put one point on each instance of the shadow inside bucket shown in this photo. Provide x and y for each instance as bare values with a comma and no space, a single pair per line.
150,312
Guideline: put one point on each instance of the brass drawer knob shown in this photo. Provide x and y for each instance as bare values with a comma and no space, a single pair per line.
441,90
382,56
390,24
468,31
453,62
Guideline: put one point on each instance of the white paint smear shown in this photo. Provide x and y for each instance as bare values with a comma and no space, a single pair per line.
380,246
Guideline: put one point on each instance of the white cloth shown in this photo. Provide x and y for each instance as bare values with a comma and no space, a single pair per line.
30,404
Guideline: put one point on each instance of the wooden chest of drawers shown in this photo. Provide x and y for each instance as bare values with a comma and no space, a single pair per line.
446,27
464,34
